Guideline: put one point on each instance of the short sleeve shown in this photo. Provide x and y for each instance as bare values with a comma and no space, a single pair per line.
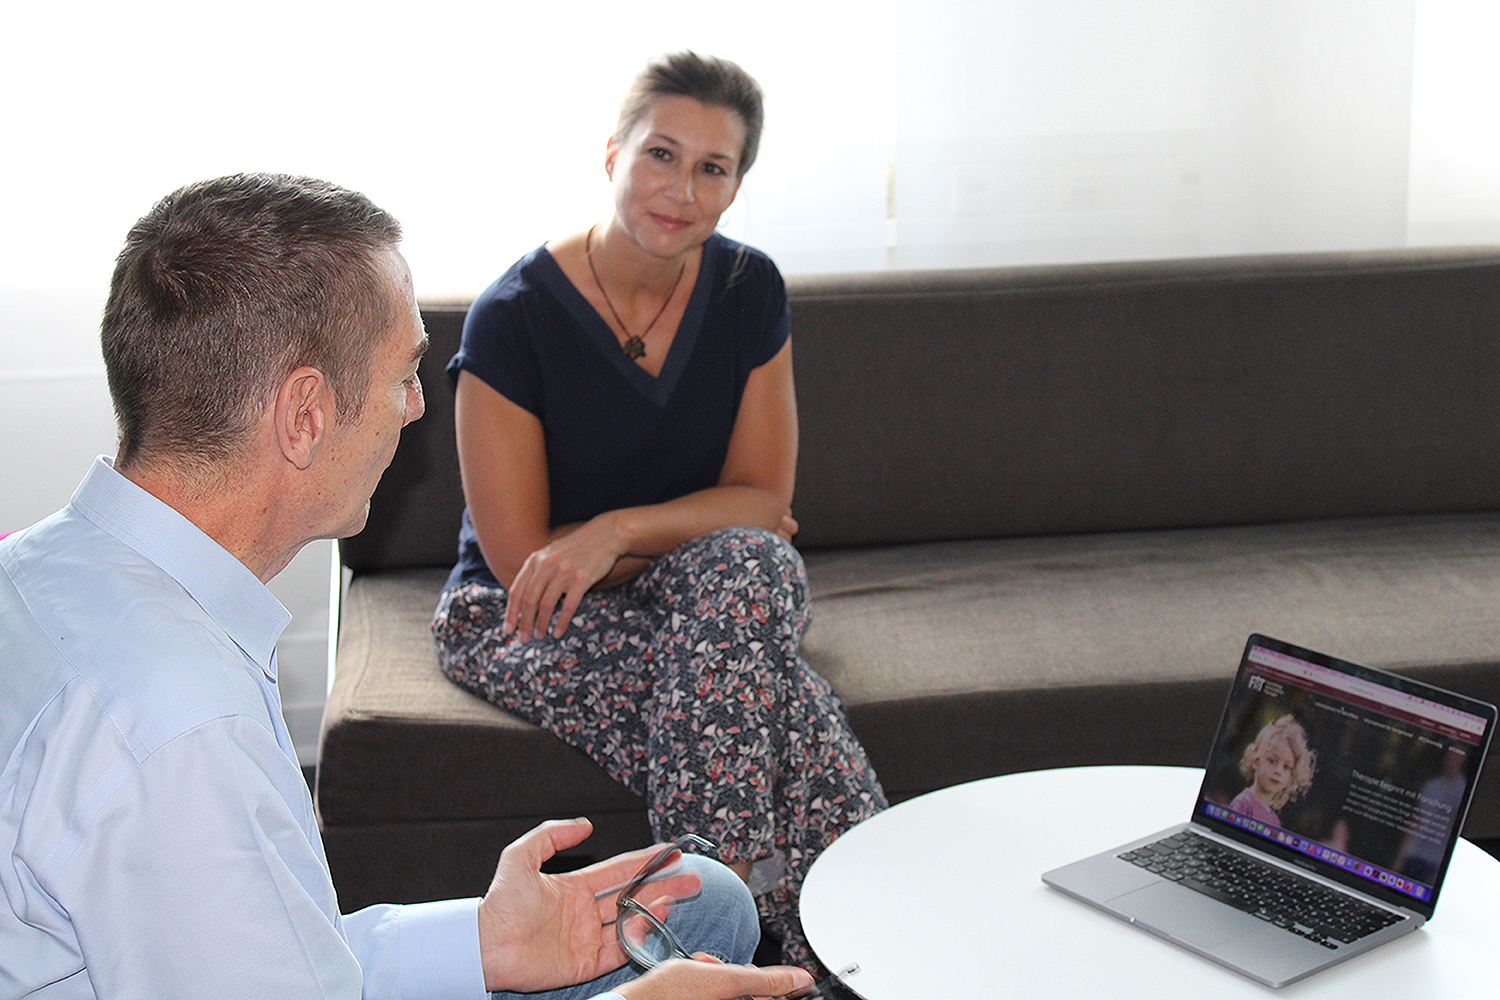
497,346
760,296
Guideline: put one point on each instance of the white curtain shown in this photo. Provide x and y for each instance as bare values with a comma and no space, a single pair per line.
900,133
1072,130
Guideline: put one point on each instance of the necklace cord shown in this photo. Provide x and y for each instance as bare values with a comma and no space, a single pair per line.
634,347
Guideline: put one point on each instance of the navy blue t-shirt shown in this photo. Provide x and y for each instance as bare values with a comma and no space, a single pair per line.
616,436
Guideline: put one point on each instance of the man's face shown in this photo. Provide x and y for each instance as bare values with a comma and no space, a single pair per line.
359,452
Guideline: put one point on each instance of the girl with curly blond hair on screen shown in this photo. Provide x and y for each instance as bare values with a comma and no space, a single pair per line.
1279,767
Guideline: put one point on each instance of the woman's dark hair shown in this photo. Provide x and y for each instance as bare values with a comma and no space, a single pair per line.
705,79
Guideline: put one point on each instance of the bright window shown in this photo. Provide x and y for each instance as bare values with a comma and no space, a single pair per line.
905,133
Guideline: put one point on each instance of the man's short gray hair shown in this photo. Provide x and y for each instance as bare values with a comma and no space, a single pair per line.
227,286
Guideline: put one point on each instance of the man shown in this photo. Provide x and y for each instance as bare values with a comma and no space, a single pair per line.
261,339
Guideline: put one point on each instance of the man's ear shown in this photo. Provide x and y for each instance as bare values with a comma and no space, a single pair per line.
304,412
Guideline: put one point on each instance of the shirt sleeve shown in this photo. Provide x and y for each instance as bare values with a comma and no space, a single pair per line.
195,876
761,293
496,346
420,950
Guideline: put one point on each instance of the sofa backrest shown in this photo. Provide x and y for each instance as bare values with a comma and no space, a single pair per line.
1147,395
1072,398
415,511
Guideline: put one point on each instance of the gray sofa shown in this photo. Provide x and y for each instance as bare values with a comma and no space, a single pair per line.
1041,510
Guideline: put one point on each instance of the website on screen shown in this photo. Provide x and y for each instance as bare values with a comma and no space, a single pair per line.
1344,769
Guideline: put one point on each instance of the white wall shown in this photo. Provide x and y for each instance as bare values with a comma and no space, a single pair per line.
905,133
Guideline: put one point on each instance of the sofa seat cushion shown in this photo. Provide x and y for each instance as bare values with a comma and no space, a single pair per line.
937,619
964,659
957,659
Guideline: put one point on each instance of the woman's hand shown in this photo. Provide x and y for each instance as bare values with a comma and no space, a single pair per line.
707,979
552,580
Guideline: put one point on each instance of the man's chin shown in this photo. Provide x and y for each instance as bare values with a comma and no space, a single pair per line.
355,524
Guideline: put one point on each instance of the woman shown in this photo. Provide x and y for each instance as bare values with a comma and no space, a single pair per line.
627,433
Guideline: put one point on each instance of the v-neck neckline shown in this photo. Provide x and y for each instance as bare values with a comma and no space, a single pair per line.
657,388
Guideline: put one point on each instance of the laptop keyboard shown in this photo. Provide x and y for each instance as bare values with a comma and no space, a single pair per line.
1303,907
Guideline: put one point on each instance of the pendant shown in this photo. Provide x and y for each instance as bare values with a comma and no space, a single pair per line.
634,348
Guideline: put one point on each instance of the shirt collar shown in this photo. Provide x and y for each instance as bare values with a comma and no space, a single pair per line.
222,586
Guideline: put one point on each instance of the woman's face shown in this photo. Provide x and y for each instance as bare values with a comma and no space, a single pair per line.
675,173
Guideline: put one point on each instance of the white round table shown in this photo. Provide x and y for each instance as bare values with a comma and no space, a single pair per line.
942,897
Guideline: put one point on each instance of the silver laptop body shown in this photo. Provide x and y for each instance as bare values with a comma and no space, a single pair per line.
1351,778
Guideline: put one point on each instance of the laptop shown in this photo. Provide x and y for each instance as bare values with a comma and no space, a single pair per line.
1329,810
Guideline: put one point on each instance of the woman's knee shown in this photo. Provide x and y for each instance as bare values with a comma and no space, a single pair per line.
467,633
721,920
757,543
749,559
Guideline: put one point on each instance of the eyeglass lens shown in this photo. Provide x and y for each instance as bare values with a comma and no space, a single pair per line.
646,939
649,942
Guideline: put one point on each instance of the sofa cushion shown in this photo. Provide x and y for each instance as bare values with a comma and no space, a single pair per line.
963,617
964,659
957,660
1150,394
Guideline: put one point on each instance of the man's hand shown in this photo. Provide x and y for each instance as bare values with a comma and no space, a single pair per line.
539,932
680,979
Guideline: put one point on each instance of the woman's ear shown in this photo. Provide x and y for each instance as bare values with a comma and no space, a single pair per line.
303,413
611,152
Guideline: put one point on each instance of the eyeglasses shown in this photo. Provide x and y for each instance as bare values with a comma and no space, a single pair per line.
649,942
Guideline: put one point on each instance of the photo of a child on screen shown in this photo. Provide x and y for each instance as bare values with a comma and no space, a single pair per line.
1278,766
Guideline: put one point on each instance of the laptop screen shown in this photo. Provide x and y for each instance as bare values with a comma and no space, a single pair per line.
1356,773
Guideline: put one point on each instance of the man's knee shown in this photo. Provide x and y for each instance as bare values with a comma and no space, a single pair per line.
721,919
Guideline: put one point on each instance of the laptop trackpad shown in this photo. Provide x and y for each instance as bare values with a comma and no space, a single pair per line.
1184,915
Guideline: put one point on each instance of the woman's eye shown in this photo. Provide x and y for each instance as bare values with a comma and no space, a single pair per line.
660,153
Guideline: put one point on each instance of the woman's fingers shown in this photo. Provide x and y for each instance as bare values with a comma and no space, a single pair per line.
546,594
525,601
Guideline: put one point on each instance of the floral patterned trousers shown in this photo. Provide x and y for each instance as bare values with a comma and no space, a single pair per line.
686,685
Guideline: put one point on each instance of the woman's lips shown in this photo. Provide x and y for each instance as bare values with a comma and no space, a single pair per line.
669,222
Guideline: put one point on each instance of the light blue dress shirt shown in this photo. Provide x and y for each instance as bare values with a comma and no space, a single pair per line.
157,838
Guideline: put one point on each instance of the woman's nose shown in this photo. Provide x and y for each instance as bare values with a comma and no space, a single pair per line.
683,186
